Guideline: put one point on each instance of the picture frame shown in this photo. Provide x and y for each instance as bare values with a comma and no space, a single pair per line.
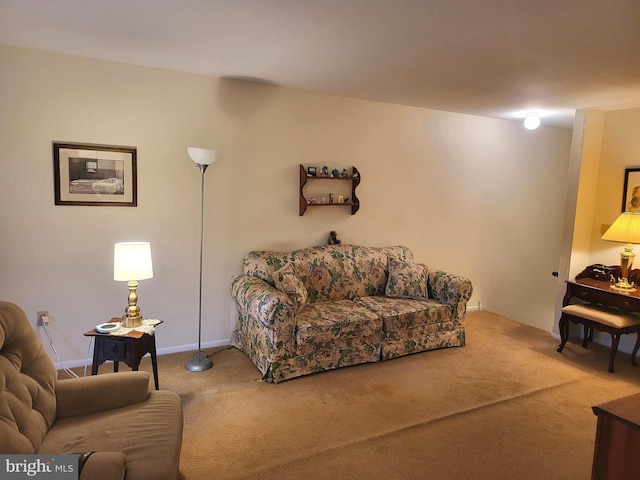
631,190
95,175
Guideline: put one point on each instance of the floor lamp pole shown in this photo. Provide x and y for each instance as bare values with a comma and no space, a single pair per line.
200,363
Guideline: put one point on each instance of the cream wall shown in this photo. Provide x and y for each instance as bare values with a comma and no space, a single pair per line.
475,196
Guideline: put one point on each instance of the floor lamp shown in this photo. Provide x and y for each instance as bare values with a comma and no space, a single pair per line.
202,157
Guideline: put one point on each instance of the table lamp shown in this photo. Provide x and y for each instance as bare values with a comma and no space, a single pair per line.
626,229
132,262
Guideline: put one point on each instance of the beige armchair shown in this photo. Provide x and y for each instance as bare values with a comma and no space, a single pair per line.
135,434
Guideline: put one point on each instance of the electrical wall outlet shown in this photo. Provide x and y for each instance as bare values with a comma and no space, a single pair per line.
43,317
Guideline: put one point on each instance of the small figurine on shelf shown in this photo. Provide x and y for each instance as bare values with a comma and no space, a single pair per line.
346,199
325,171
333,238
311,171
335,173
313,200
345,174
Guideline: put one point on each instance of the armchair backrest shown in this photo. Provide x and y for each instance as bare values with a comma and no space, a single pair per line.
27,378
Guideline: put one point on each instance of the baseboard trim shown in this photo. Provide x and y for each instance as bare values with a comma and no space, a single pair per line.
160,351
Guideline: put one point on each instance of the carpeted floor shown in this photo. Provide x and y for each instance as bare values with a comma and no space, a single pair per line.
505,406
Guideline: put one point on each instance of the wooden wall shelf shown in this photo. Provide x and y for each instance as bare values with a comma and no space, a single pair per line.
353,202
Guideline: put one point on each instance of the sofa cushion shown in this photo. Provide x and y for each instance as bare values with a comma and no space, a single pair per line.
330,272
400,314
327,322
287,281
406,279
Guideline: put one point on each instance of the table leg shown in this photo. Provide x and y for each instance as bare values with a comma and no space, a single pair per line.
635,350
563,326
615,340
154,364
94,365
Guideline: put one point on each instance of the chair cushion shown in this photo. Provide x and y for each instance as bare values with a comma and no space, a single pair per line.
603,315
406,279
148,433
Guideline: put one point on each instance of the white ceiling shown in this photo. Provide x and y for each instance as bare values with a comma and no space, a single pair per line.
495,58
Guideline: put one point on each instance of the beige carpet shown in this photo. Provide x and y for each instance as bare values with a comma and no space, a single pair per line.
505,406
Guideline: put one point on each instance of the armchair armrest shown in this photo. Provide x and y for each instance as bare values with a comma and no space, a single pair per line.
265,303
450,289
104,466
86,395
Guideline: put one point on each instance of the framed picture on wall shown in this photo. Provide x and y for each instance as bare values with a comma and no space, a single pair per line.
631,194
86,174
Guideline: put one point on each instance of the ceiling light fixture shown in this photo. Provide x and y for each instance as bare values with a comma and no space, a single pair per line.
531,121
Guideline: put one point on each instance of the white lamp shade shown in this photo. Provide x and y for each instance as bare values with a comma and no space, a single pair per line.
626,229
202,156
132,261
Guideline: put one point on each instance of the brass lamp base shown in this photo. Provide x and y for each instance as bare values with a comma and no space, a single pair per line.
132,321
132,317
623,285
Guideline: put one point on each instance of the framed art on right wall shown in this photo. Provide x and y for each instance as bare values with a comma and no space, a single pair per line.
631,194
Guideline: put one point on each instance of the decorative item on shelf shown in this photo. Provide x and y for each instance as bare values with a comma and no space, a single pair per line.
331,198
355,174
346,199
325,171
132,262
333,238
626,229
335,173
345,174
323,200
340,198
312,171
313,201
203,157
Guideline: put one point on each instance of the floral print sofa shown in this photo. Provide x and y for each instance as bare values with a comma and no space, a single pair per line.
332,306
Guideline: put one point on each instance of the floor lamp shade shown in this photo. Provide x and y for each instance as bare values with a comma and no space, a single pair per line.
203,157
132,262
626,229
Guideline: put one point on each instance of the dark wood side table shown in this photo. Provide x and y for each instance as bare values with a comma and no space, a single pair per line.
617,440
600,293
129,348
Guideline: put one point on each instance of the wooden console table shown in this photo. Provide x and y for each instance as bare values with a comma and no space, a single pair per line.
605,309
617,440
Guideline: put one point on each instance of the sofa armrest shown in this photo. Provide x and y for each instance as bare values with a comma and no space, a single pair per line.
86,395
258,299
450,289
104,466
